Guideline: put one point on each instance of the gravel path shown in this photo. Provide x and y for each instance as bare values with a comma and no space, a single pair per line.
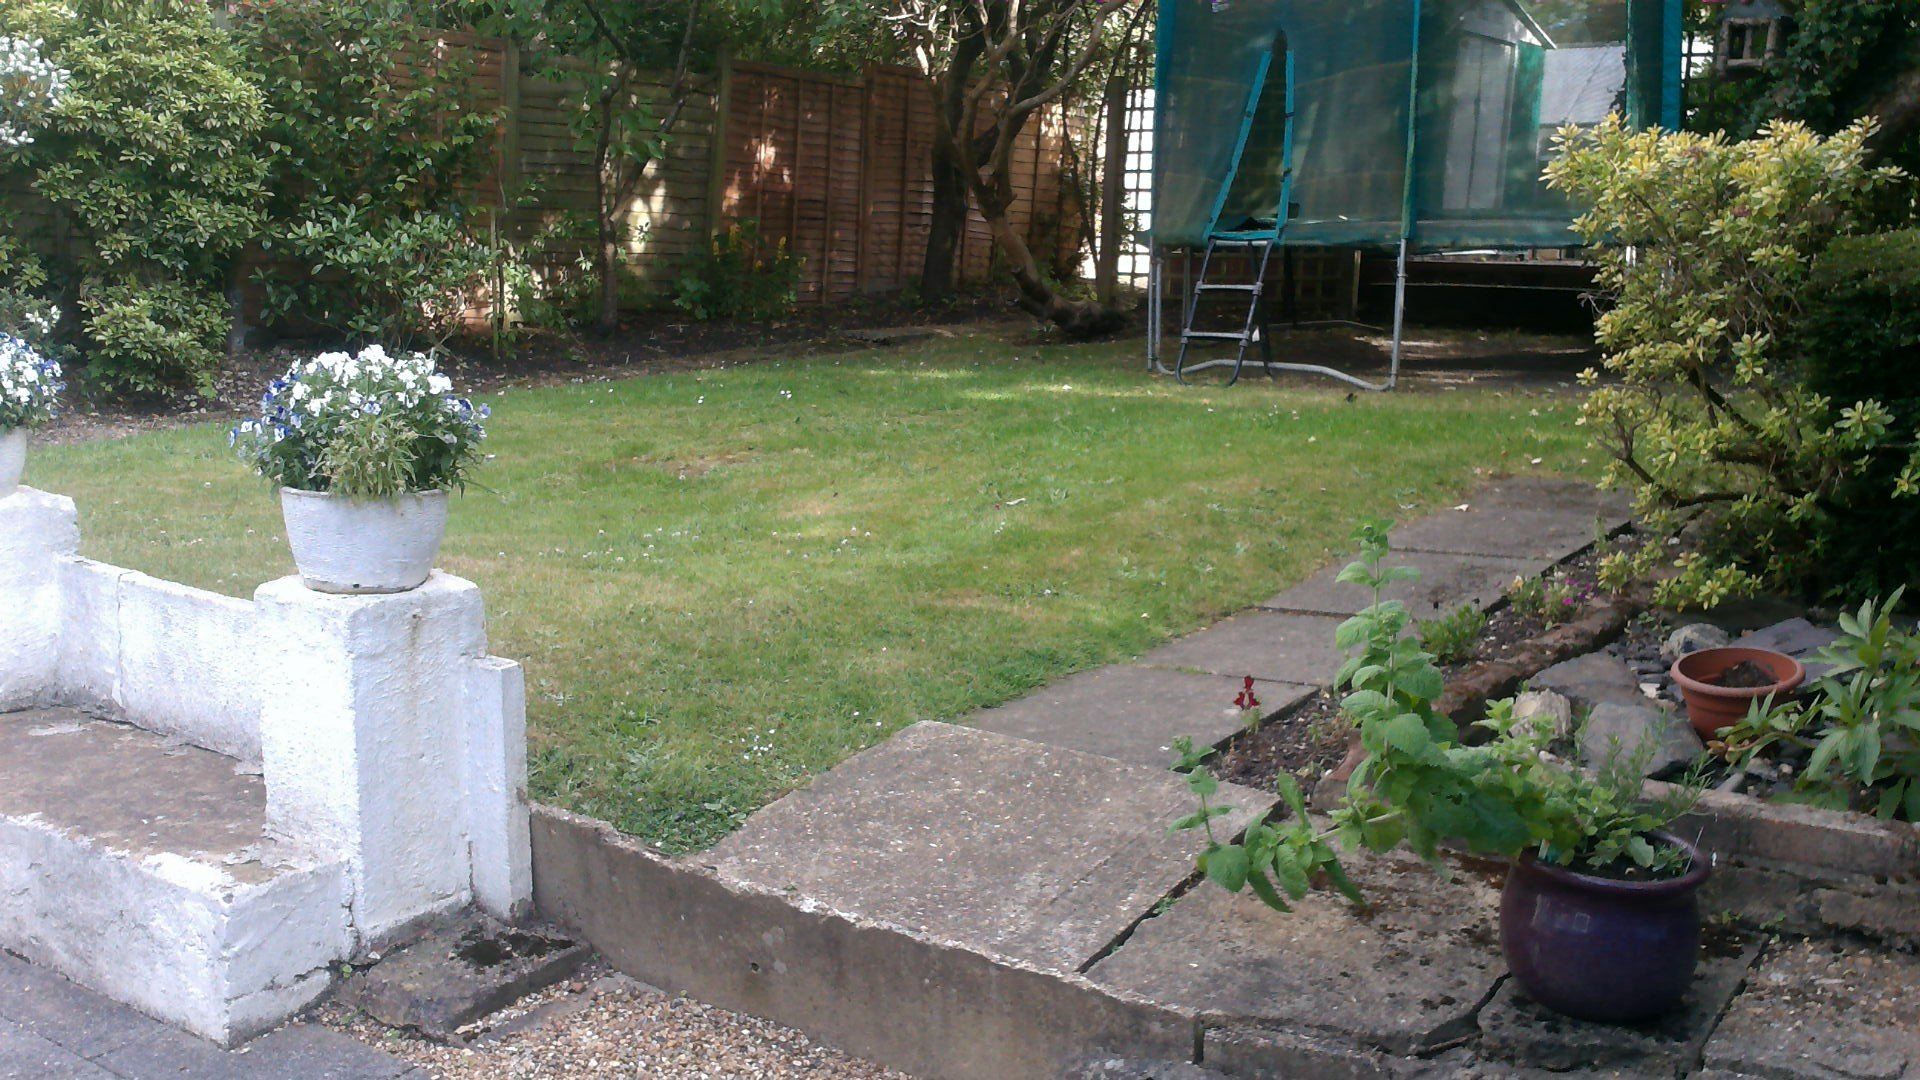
602,1024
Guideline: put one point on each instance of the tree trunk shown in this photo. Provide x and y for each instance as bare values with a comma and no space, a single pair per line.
947,224
606,321
949,210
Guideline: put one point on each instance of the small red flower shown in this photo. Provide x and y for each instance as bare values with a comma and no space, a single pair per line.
1245,699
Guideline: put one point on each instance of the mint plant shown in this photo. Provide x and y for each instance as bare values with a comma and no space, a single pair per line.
1420,787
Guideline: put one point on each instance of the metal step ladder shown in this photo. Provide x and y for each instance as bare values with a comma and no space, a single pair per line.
1258,244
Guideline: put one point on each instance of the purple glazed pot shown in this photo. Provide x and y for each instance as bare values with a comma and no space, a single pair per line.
1598,949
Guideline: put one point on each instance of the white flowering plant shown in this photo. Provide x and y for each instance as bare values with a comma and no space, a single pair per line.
31,85
369,425
30,385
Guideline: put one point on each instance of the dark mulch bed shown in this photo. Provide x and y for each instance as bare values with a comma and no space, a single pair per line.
648,342
1312,738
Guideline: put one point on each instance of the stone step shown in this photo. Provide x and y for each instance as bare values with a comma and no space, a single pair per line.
140,867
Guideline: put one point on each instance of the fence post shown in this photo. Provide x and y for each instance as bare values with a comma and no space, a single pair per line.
717,149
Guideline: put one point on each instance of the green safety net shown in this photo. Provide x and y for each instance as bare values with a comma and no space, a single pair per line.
1471,90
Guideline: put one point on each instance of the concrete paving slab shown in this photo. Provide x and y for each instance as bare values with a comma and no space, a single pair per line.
1823,1009
49,1005
457,973
1517,1030
1403,975
1522,518
26,1056
1007,847
128,789
1132,713
295,1052
1446,582
1264,644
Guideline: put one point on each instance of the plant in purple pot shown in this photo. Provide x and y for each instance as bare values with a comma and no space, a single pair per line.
1598,919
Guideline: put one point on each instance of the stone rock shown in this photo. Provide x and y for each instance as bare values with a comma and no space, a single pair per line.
1692,638
1537,703
1797,638
1593,679
1624,730
460,973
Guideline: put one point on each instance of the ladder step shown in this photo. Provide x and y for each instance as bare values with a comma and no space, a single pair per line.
1217,335
1204,287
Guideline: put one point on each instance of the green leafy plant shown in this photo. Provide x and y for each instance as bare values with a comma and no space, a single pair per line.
1551,599
368,426
151,159
382,157
1452,637
738,276
1420,787
1709,258
1860,723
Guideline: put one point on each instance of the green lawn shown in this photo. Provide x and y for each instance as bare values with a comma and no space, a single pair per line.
723,582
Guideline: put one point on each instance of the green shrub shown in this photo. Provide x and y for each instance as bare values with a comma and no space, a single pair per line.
738,276
1714,416
150,158
377,227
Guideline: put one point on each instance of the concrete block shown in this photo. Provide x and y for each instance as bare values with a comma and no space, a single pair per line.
496,786
1132,713
1404,975
843,978
1822,1009
1004,847
1539,518
36,530
1263,644
141,870
366,734
1446,582
189,664
1743,827
461,972
88,669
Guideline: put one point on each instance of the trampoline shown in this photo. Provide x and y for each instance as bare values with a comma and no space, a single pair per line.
1402,125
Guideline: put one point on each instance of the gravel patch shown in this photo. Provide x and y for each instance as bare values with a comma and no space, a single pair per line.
602,1023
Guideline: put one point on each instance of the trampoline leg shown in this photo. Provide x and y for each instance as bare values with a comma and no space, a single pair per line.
1399,315
1153,310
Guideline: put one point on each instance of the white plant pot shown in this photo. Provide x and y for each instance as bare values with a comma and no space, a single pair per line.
13,459
348,545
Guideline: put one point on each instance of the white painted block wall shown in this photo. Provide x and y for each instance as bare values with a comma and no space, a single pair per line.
390,744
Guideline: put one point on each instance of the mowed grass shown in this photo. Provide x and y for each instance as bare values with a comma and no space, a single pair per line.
724,582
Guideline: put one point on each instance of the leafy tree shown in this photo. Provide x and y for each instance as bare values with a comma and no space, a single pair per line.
1717,414
1843,60
381,153
151,161
995,64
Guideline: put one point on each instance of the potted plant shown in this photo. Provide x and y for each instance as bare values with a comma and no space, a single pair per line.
1721,685
30,389
1598,919
1856,733
364,449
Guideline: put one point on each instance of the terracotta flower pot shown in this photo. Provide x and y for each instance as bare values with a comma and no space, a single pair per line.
1602,949
1711,706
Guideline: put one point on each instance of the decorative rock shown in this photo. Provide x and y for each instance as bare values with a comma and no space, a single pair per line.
1536,703
1692,638
1623,729
1591,680
1797,638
